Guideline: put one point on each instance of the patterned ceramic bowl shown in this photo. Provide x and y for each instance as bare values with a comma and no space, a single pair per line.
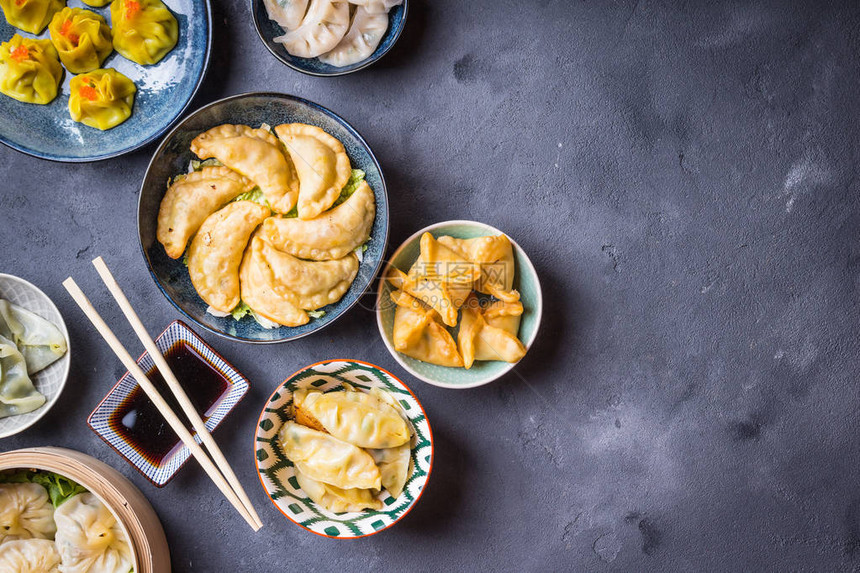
164,91
269,30
172,157
276,471
52,379
482,372
107,419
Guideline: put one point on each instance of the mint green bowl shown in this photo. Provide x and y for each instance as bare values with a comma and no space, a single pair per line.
482,372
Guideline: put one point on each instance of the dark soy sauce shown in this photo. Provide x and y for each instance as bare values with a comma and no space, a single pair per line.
140,423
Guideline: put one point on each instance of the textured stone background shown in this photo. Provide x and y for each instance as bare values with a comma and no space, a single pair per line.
683,175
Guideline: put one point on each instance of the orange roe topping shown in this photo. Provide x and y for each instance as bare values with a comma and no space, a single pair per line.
20,3
131,8
65,30
20,54
89,93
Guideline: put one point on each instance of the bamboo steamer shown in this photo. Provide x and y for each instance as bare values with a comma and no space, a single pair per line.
131,508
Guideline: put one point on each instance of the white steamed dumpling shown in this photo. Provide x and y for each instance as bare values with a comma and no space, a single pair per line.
40,341
89,537
25,512
29,556
365,32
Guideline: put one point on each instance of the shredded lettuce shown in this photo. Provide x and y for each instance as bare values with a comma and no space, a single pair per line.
356,177
185,258
197,165
60,488
316,313
240,311
255,195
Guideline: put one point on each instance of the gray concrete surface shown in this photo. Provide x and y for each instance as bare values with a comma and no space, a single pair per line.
684,176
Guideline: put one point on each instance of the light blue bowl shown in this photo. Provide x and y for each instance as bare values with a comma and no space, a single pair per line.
172,157
482,372
163,92
268,30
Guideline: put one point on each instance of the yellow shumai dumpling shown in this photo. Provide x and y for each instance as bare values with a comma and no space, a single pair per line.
30,70
101,98
144,31
96,3
82,39
31,15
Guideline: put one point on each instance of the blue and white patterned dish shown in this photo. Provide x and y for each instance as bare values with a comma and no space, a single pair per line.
172,158
162,472
164,91
268,30
278,476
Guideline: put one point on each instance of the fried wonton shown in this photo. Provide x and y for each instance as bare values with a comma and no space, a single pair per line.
495,257
419,333
491,333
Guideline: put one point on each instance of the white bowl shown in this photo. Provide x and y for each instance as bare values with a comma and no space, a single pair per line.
52,379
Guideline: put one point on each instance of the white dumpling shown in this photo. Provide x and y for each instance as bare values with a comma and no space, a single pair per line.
395,467
29,556
25,512
39,340
17,393
365,32
89,537
366,424
335,499
287,13
322,28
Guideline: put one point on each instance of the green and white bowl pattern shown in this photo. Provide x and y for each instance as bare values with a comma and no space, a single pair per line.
482,372
278,476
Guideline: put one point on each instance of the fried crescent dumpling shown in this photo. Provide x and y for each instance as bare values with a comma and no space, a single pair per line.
82,39
144,31
101,98
495,257
479,340
325,458
190,199
256,154
335,499
366,423
309,285
321,163
332,235
30,70
216,252
260,290
419,334
30,15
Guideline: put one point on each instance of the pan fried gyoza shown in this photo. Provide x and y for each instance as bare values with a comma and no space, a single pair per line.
261,291
321,164
360,423
335,499
327,459
256,154
191,199
331,235
216,252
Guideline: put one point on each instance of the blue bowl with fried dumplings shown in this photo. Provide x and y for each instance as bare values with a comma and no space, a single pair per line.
164,91
268,30
173,157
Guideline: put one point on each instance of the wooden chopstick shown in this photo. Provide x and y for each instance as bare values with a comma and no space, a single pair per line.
172,419
174,385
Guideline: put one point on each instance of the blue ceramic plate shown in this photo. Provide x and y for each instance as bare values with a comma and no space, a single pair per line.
172,158
482,372
268,30
163,92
